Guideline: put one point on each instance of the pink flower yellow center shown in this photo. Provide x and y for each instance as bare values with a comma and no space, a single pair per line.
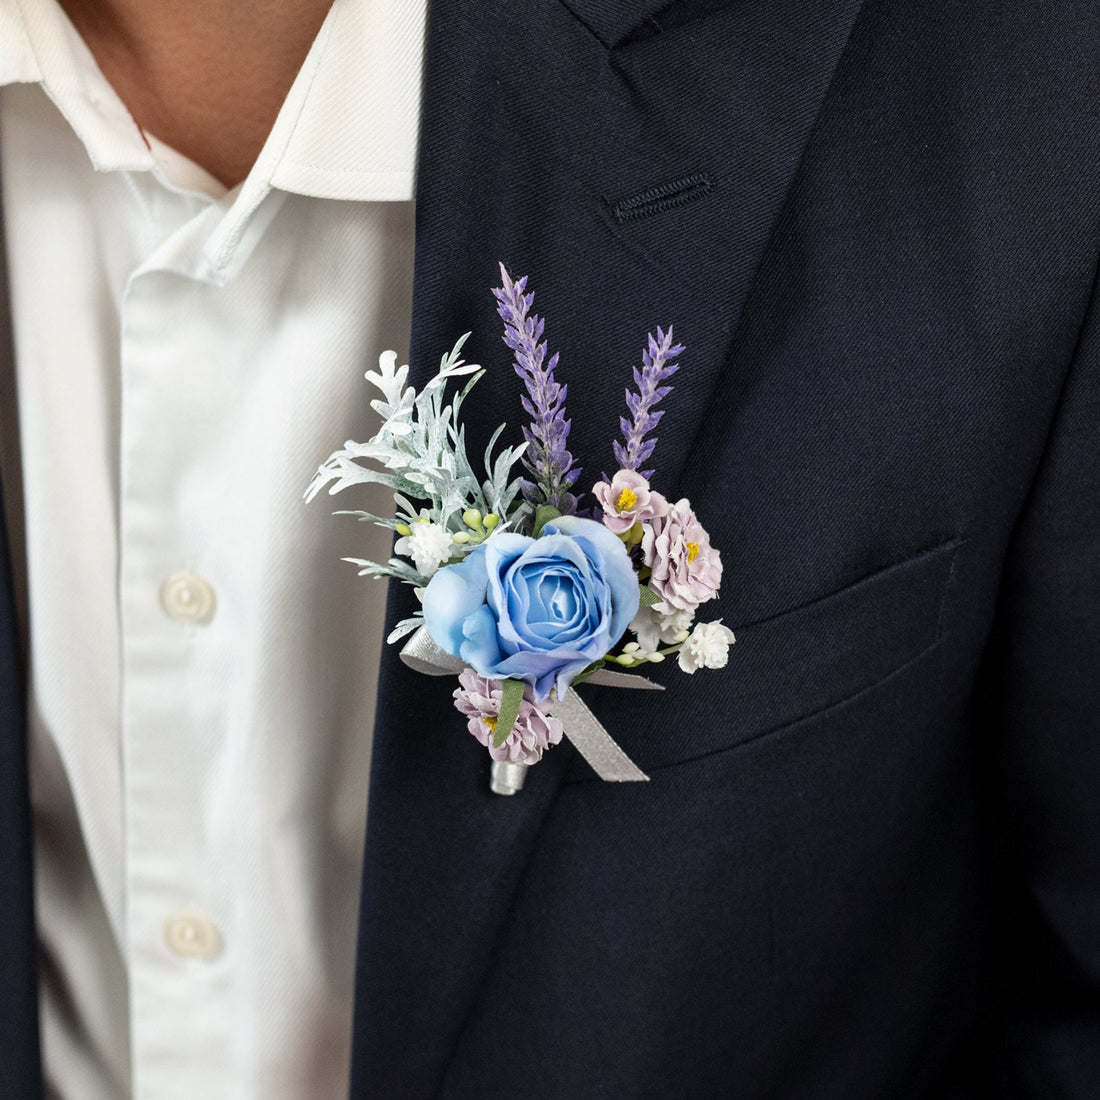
627,499
491,723
693,551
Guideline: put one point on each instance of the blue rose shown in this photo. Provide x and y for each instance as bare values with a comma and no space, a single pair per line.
538,610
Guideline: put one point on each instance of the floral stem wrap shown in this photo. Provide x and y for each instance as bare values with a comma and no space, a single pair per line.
582,727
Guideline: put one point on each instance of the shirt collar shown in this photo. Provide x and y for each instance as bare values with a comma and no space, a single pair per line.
38,45
347,130
349,127
17,63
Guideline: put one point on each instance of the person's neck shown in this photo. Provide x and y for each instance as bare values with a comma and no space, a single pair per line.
206,77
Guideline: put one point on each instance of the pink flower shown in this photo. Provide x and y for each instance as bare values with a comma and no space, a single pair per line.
479,699
628,500
687,570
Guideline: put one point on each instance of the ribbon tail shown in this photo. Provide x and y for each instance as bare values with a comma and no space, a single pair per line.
610,678
594,743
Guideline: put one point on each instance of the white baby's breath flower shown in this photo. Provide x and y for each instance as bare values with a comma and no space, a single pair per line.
428,544
652,628
707,647
645,626
672,626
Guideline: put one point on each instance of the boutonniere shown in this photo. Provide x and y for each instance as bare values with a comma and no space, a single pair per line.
526,590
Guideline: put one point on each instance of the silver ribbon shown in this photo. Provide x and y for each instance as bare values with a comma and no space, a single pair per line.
506,777
582,727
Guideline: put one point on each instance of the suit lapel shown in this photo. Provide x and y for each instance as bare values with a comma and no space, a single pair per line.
536,137
19,1057
19,1053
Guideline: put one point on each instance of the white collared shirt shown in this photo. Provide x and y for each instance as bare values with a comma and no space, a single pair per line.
203,665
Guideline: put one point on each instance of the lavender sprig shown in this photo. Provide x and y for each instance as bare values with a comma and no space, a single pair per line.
546,458
657,366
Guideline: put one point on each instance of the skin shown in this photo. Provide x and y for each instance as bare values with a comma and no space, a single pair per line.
207,77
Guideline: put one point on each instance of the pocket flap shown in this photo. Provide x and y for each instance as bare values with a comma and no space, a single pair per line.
790,666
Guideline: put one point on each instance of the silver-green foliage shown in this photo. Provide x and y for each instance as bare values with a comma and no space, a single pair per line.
420,453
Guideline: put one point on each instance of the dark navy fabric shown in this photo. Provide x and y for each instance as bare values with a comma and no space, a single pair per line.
867,864
19,1050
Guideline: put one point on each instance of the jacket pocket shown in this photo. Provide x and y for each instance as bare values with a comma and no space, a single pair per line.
792,665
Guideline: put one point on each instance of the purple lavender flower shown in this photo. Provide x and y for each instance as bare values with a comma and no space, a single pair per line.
657,366
546,459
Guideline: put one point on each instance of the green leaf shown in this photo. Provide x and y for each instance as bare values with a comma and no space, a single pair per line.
587,671
648,596
512,696
544,514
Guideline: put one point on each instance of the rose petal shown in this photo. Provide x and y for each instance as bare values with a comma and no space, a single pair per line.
453,594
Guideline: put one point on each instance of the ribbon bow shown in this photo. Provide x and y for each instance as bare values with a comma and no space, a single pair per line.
582,727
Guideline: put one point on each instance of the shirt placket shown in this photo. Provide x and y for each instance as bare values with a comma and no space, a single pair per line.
175,635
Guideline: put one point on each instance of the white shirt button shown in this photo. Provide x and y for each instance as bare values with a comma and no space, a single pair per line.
187,598
192,935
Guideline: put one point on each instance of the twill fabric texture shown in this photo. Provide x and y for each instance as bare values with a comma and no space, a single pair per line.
864,865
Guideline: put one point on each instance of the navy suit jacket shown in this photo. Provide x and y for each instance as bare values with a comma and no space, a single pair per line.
867,864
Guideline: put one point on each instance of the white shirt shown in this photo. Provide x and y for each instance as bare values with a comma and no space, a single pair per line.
203,665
